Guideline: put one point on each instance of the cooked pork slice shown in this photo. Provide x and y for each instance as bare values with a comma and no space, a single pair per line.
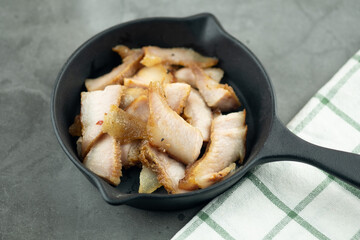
129,95
123,126
146,75
104,159
94,105
227,144
175,56
215,74
129,66
168,170
177,95
130,154
198,114
139,108
134,83
169,131
186,75
122,50
216,95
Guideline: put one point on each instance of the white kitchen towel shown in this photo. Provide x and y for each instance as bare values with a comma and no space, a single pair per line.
289,200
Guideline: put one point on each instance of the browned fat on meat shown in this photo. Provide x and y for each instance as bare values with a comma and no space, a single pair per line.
129,95
227,144
130,153
123,126
186,75
146,75
104,159
216,95
139,108
176,56
198,114
169,131
168,170
94,106
130,65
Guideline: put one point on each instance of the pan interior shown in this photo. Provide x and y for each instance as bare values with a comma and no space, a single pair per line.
242,71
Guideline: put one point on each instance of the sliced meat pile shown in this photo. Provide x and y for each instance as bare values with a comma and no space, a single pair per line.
157,110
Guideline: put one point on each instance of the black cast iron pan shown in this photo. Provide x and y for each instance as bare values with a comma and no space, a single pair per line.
268,139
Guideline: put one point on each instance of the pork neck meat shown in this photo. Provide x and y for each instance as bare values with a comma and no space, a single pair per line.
227,144
169,131
104,159
176,95
186,75
146,75
216,95
198,114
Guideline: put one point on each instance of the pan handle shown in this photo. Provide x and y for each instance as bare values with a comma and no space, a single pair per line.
284,145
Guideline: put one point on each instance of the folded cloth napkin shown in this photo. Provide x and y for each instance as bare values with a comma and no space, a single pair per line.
287,200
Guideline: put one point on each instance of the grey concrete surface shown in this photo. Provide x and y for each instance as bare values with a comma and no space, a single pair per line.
42,195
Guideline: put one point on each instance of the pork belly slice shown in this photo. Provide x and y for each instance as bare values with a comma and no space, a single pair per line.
169,131
227,144
146,75
129,66
176,95
139,108
130,154
104,159
216,95
198,114
176,56
186,75
129,95
168,170
94,105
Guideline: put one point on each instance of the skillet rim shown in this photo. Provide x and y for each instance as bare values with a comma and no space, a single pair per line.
100,184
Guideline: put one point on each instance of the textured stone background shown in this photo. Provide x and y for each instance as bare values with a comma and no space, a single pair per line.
42,195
